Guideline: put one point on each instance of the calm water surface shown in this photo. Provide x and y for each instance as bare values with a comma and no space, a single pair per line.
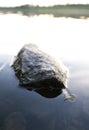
24,109
21,109
67,38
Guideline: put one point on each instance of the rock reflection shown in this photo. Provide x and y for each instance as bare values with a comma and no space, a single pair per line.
47,92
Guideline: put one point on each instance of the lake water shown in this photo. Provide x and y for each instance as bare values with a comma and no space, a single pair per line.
65,39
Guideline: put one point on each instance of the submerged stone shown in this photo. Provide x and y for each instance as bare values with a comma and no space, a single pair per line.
34,67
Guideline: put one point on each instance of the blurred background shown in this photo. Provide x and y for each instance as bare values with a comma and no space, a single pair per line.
59,27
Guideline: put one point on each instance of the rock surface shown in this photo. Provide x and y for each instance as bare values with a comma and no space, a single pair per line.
34,67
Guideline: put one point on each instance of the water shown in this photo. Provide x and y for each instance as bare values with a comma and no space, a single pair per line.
67,39
24,109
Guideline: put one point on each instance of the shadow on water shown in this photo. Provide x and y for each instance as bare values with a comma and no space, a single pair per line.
74,11
46,88
48,92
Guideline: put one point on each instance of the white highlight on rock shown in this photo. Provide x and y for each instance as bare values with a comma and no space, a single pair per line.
68,95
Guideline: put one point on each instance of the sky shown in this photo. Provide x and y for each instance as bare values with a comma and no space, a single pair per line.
40,2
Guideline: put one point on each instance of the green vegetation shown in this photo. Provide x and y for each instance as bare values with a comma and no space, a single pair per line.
76,11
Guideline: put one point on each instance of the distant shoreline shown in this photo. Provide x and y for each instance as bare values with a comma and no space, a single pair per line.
69,10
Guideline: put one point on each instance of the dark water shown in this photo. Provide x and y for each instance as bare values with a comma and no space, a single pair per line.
21,109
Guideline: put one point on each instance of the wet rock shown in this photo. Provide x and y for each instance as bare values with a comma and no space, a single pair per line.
34,67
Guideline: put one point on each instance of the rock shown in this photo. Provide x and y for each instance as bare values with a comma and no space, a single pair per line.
34,67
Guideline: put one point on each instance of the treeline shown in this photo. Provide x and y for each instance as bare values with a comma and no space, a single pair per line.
74,10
